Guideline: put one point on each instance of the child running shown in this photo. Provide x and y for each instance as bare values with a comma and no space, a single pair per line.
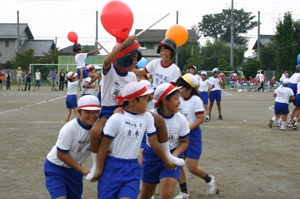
63,170
205,87
71,100
191,107
154,171
215,93
88,88
118,166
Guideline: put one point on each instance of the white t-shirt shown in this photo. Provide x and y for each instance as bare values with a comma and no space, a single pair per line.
89,91
205,85
38,75
298,88
162,74
261,77
216,82
295,78
127,131
198,78
177,126
191,108
72,87
283,94
112,83
150,105
80,59
74,139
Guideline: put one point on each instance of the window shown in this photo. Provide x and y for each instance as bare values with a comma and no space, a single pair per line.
149,45
6,43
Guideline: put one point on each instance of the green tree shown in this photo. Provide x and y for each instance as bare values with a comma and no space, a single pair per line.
185,52
284,39
85,49
24,59
224,65
296,25
251,67
194,60
267,55
8,64
217,25
51,57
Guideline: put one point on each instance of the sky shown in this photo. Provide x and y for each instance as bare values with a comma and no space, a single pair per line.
50,19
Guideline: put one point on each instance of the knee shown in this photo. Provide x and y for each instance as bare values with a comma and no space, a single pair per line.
192,169
167,194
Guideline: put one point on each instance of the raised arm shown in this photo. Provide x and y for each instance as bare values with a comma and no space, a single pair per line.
93,52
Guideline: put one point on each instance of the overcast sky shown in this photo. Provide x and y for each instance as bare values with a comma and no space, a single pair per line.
48,19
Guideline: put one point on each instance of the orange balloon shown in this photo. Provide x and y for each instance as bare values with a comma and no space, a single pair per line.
178,34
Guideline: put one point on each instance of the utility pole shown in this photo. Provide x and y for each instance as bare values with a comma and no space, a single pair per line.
232,39
18,36
258,37
176,56
96,42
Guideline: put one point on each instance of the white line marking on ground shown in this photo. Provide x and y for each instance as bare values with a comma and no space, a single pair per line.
270,108
227,93
36,122
33,104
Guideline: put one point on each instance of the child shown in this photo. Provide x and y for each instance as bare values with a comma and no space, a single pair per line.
63,170
191,107
80,61
223,78
215,93
294,80
283,96
193,71
118,166
143,77
297,104
154,172
163,70
205,87
88,88
71,100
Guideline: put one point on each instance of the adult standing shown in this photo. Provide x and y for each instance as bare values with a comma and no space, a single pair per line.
61,79
8,79
37,78
66,81
19,78
28,80
53,80
1,78
261,78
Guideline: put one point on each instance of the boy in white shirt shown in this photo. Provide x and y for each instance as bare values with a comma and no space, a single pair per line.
88,88
215,93
204,88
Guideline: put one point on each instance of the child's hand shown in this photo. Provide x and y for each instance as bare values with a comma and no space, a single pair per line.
85,171
81,69
96,176
169,165
93,86
130,39
119,110
208,93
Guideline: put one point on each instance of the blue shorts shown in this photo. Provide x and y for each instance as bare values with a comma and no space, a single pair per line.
85,94
293,87
120,178
61,181
194,149
154,169
107,111
297,101
143,145
85,73
99,97
281,108
71,101
37,83
204,97
215,95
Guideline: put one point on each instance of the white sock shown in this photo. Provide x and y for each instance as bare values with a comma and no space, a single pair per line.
283,124
296,123
295,119
280,120
274,119
90,176
174,160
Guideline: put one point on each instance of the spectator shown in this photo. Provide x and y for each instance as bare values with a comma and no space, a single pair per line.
66,81
28,80
261,79
19,78
53,80
62,79
37,78
8,79
1,78
56,80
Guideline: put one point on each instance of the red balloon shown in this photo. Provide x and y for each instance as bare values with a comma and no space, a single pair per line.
117,19
72,36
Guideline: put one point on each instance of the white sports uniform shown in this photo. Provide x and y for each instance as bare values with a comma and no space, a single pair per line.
88,91
80,59
189,108
72,88
162,74
295,78
283,94
205,85
74,139
198,78
216,82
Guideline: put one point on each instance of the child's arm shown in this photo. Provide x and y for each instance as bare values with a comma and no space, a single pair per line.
93,52
140,72
66,158
200,120
184,143
87,85
111,56
221,82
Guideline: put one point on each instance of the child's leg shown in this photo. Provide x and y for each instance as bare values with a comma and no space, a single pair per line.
69,111
206,109
147,191
167,186
211,103
219,107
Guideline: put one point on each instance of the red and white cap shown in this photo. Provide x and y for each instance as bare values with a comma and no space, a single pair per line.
194,67
88,102
70,75
146,83
89,67
162,91
132,90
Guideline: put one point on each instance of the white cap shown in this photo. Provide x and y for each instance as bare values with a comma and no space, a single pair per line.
194,67
133,90
89,67
146,83
286,81
215,70
204,73
88,102
162,91
70,75
191,80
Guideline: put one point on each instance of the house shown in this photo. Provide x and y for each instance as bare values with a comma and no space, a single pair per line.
151,38
8,41
264,39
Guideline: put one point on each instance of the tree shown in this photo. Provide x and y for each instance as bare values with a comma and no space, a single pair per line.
51,57
284,39
267,55
296,25
217,25
224,65
8,64
251,67
185,52
194,60
24,59
85,49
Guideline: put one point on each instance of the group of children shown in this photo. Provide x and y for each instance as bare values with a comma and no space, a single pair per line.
140,134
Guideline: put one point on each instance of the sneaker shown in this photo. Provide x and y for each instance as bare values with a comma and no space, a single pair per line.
210,186
290,124
282,128
220,117
182,195
278,124
271,123
295,127
207,119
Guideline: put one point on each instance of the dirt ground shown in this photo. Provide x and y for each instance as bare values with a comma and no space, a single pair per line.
248,159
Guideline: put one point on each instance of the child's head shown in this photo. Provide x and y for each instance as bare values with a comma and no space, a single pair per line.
90,68
215,72
167,98
203,75
89,109
72,76
188,84
166,49
148,86
144,77
129,56
77,48
193,70
285,82
134,97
